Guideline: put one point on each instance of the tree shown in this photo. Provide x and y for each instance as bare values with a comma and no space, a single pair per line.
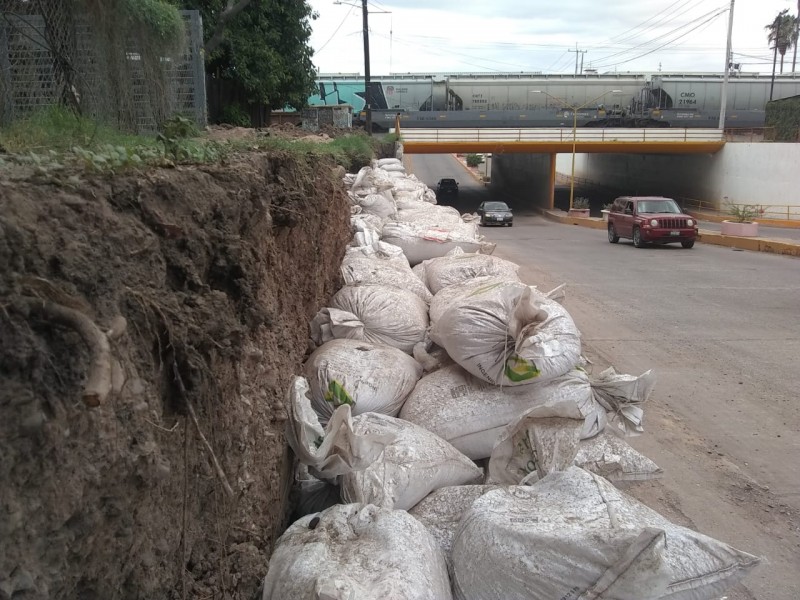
262,45
796,34
782,32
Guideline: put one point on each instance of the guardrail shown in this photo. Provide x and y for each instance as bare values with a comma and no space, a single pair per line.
564,135
775,212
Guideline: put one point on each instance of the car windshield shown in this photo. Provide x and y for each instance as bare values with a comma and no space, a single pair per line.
447,182
495,206
659,206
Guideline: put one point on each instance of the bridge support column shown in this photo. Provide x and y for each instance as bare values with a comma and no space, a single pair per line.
552,183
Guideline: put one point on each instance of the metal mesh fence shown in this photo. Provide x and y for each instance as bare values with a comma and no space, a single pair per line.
51,54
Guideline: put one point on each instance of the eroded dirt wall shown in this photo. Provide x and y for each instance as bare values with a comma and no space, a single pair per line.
216,271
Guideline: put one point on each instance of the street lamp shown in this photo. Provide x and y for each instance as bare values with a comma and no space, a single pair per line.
574,110
367,91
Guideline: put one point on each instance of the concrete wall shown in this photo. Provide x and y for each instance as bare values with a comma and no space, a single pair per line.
744,173
526,177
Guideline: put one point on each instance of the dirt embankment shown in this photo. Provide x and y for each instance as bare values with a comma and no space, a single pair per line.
175,485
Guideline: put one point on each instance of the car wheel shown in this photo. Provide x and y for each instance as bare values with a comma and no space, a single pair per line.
637,238
612,235
688,244
510,224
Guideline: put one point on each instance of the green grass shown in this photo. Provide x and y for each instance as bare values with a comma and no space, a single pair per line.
55,137
58,129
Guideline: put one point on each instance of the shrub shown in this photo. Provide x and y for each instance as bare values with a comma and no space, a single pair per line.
743,213
473,160
580,203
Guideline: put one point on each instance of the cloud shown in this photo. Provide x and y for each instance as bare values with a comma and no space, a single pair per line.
504,35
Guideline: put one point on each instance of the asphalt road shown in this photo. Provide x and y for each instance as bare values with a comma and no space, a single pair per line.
721,330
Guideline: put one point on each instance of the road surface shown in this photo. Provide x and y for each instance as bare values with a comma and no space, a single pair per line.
721,330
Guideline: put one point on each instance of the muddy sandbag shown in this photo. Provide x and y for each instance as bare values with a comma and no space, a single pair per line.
574,535
413,465
380,314
441,511
362,270
421,241
357,551
610,456
458,267
367,377
508,333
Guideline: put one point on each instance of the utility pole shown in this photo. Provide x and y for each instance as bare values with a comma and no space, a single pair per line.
724,97
581,52
367,94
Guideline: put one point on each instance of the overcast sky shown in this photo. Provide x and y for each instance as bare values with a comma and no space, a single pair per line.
443,36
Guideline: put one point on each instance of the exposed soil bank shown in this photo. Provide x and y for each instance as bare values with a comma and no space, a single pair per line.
217,271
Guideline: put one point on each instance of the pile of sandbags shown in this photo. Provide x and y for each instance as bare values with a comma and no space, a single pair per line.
415,374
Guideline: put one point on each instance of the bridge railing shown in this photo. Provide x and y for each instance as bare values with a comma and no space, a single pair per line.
565,135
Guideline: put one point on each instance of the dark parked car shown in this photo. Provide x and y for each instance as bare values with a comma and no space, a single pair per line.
447,187
650,219
495,213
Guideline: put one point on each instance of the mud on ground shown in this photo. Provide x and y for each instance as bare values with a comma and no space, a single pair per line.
216,271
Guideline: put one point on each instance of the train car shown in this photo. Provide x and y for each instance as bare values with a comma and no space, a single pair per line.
529,99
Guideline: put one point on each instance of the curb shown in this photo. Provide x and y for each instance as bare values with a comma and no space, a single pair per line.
755,244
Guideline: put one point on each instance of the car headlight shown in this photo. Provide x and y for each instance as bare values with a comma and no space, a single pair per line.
689,223
654,223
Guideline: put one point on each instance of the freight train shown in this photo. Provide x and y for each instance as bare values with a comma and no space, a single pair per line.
534,100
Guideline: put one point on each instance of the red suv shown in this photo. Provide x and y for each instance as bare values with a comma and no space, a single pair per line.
653,219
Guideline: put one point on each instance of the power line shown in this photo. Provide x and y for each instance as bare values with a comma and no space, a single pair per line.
336,31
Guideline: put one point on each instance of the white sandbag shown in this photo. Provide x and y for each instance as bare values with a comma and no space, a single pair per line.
574,535
419,271
429,196
544,440
610,456
623,396
380,314
366,270
407,184
441,511
335,450
409,200
420,242
357,552
396,168
429,215
363,221
379,251
387,161
509,334
447,297
472,414
366,376
416,463
455,268
368,177
367,237
379,205
432,359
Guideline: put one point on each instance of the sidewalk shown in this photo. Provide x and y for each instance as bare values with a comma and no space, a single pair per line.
774,240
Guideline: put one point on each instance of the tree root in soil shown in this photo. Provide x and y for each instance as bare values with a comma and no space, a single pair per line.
99,382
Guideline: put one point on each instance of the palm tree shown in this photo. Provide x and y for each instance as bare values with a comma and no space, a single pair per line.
796,33
783,33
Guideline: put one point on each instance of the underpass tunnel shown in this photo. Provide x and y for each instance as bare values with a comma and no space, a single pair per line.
526,181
